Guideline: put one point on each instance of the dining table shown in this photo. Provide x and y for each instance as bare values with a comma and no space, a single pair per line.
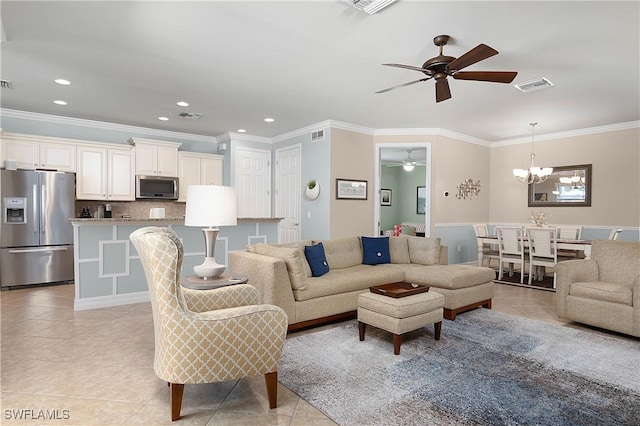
562,244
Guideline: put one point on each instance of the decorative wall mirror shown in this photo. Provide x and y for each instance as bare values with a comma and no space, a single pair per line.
567,186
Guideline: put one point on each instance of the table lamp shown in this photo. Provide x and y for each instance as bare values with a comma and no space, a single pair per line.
210,206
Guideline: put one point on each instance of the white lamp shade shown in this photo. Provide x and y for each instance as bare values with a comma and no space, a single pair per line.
211,205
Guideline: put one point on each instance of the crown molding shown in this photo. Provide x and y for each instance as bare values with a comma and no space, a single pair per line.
57,119
229,136
570,133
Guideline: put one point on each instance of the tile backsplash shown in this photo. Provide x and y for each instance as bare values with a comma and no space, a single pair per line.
135,209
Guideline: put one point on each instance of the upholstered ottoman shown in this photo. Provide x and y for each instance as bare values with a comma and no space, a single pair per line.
400,315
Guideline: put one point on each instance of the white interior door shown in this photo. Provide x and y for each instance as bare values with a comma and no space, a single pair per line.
253,182
288,190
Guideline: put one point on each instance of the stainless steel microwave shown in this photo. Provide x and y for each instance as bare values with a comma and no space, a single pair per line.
157,187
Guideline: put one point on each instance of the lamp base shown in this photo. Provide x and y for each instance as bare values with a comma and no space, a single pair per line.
209,269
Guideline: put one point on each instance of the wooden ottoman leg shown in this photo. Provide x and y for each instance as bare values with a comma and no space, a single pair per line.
361,328
438,328
397,341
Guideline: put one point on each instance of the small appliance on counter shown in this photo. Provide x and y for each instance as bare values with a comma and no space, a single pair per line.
100,211
156,213
107,211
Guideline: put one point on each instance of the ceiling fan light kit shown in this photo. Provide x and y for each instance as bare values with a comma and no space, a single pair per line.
440,67
533,174
408,164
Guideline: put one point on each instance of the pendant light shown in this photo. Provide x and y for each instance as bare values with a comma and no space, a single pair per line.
533,174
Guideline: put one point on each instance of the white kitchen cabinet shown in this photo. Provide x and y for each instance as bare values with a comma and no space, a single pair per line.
198,169
34,152
156,158
105,174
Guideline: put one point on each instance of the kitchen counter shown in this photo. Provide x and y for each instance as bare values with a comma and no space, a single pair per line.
107,268
181,219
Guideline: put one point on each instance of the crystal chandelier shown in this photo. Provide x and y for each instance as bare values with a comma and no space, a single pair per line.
467,189
533,174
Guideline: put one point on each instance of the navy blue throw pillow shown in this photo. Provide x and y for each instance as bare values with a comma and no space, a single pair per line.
375,250
316,259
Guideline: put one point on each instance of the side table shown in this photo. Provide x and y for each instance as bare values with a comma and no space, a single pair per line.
194,282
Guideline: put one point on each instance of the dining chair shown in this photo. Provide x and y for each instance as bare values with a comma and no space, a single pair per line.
615,233
231,338
511,248
543,252
569,232
488,251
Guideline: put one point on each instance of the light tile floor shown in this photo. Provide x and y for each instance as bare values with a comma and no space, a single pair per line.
96,366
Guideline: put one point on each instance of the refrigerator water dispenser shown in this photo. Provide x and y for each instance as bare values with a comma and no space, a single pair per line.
15,210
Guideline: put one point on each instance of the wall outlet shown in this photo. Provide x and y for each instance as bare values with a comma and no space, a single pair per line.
308,214
459,248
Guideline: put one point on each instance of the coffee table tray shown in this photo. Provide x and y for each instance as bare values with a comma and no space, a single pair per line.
399,289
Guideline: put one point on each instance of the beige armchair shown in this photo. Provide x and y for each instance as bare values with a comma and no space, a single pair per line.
604,290
206,336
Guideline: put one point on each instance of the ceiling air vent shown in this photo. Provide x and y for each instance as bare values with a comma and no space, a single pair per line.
533,85
190,115
6,84
370,6
317,136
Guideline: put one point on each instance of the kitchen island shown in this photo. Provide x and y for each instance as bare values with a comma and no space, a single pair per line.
107,269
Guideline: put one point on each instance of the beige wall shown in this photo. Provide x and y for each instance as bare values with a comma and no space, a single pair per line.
352,157
615,157
453,161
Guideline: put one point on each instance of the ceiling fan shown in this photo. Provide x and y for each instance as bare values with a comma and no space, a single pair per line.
440,67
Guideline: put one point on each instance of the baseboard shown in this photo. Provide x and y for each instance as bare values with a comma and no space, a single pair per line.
108,301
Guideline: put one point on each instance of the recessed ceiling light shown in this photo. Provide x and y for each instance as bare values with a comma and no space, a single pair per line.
62,81
242,131
182,103
269,120
59,102
163,118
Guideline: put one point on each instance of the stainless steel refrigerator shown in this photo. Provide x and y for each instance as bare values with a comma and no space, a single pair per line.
36,236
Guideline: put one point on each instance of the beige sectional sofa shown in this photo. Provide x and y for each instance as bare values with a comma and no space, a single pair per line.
604,290
284,277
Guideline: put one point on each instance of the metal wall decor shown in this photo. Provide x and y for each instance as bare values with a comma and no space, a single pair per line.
467,189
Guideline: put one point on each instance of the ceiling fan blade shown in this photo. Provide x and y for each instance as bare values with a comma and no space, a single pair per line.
491,76
442,90
402,85
477,54
409,67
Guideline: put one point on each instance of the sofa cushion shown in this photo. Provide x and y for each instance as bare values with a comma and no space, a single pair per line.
343,252
293,258
425,251
251,248
447,276
399,250
375,250
604,291
338,281
316,259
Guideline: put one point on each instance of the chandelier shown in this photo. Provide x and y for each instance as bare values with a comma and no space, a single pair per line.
533,174
467,189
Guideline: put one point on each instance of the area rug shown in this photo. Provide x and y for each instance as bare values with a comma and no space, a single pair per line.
488,368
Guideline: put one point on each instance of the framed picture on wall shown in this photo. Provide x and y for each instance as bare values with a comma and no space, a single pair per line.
421,198
350,189
385,197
